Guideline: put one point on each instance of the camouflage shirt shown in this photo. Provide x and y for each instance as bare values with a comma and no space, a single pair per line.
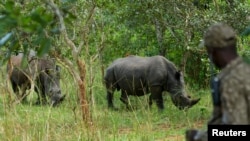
234,96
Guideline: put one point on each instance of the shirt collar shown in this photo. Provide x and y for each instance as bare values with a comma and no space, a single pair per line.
229,67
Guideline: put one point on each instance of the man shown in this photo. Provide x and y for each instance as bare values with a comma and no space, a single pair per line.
233,103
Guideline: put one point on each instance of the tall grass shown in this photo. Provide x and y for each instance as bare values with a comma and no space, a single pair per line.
27,122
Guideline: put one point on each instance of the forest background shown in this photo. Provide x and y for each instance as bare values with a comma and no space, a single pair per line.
86,36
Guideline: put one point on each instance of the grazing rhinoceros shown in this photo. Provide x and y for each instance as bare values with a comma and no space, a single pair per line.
42,71
137,76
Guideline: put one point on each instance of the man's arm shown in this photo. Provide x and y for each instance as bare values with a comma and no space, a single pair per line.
234,101
196,135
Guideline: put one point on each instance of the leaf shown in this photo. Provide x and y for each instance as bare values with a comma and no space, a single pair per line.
37,16
55,30
68,1
4,39
44,46
72,16
9,5
246,32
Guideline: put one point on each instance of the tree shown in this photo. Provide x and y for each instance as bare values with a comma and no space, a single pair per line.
41,28
171,28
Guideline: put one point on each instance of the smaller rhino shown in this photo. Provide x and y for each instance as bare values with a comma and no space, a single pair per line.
43,71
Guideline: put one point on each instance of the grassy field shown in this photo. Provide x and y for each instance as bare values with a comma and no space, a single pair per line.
27,122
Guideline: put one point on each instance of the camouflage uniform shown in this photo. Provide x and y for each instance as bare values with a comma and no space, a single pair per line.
234,84
235,94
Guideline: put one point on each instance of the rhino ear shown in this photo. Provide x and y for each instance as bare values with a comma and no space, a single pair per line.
178,75
58,68
62,98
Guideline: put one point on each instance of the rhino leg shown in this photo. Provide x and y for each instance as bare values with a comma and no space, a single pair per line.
41,98
14,87
124,98
156,94
23,93
110,99
150,102
20,91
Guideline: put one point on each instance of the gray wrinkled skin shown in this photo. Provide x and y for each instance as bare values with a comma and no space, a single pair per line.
137,76
42,71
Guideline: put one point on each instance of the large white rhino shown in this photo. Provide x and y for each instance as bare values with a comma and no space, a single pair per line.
135,75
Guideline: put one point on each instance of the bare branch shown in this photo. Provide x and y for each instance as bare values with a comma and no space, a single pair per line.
85,28
62,29
79,74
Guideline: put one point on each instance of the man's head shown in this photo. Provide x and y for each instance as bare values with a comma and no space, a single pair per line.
220,42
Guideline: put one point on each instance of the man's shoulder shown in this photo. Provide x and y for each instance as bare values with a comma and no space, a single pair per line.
242,70
239,69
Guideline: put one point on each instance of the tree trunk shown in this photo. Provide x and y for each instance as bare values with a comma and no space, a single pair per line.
184,62
80,74
159,35
82,88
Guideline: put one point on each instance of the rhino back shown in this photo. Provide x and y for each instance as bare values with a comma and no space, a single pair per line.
37,65
130,73
135,72
18,74
160,70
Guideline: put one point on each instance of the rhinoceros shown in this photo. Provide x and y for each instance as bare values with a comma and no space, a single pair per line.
138,76
42,71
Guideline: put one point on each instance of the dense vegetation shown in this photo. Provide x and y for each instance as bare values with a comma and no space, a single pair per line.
105,30
28,122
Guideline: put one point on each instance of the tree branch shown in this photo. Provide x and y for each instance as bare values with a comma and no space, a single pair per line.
62,29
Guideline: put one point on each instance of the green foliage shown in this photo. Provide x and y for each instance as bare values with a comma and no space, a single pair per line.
171,28
32,24
25,121
113,29
130,28
246,32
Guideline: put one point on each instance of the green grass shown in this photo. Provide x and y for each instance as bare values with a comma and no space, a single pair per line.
26,122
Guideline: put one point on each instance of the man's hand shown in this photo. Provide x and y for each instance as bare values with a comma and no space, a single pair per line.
190,134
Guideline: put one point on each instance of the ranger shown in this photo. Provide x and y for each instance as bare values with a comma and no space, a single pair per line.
231,87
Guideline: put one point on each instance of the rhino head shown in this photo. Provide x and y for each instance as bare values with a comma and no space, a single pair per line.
183,102
178,94
50,81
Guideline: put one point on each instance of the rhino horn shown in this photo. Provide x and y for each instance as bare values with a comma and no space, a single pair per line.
62,98
57,101
194,101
